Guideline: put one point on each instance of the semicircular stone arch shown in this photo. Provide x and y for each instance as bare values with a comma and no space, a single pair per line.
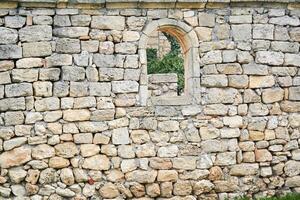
189,43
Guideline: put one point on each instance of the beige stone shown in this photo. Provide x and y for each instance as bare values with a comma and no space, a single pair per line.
15,157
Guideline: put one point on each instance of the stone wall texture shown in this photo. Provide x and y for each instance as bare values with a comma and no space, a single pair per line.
72,125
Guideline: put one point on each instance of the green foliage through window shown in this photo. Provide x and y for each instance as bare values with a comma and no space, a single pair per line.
170,63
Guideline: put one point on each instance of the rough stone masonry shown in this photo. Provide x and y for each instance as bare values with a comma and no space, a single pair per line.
72,125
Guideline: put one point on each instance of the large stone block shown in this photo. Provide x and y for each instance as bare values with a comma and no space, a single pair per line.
58,60
76,115
71,32
35,33
66,45
120,136
263,31
261,81
37,49
242,32
72,73
25,75
15,157
272,95
125,86
47,104
100,89
294,93
108,22
29,63
269,57
17,90
10,52
292,59
97,162
8,36
14,21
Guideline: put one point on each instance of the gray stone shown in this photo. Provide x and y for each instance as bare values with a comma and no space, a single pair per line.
42,20
13,143
58,60
46,104
263,31
25,75
62,20
10,52
71,32
242,32
72,73
120,136
270,57
125,86
294,93
66,45
100,89
108,22
8,36
14,21
81,20
16,90
37,49
292,59
35,33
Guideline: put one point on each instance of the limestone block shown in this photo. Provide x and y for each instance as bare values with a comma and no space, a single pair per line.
10,52
255,69
214,80
240,19
97,162
71,32
270,57
42,20
58,60
43,151
90,46
29,63
232,68
289,47
124,86
46,104
6,65
61,89
295,34
37,49
168,151
21,155
261,81
81,20
285,20
66,45
244,169
109,190
76,115
49,74
66,150
242,32
111,74
120,136
73,73
263,31
42,89
272,95
14,118
100,89
126,48
292,59
108,22
294,93
225,158
141,176
14,21
83,138
131,36
13,143
78,89
185,163
8,36
206,19
16,90
219,95
62,20
35,33
212,57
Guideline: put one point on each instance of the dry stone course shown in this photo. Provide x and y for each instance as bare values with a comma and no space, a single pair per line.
77,122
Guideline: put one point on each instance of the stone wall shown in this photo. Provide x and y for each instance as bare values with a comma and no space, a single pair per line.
162,84
74,122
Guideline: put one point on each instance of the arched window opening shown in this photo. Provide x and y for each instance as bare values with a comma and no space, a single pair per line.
172,52
165,65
